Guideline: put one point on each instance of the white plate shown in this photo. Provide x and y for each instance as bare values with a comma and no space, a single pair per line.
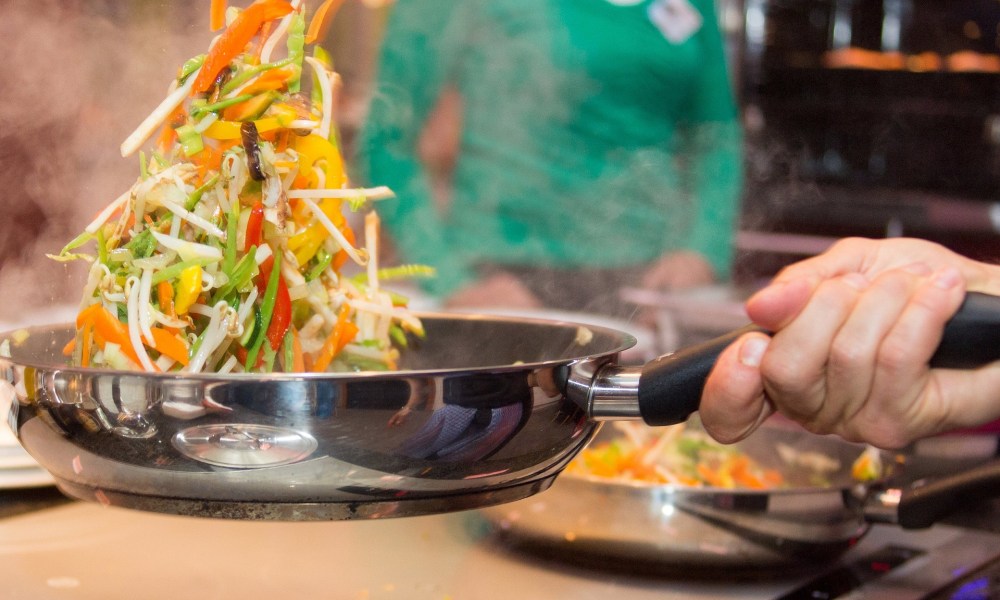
14,457
24,478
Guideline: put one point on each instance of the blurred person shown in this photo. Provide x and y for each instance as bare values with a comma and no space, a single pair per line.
584,145
854,331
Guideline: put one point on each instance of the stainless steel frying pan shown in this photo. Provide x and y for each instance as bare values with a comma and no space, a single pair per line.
483,411
704,531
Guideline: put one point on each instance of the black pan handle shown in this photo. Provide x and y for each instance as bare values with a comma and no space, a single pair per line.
925,502
670,386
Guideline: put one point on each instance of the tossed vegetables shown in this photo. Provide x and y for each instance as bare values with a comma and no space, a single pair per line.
686,455
226,253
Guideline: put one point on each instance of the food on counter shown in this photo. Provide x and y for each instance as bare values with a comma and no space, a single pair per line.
227,252
685,455
678,455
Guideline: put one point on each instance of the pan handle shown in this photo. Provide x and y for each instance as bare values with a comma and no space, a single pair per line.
926,502
670,386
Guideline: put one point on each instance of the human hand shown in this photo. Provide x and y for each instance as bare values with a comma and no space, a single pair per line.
678,270
854,330
499,290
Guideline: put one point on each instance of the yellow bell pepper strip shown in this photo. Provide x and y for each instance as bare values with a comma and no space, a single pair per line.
322,19
188,289
230,130
168,344
307,242
314,149
234,40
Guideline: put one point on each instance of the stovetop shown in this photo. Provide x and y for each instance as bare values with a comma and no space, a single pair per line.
79,551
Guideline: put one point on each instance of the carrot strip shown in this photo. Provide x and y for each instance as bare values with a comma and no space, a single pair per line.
165,295
235,39
332,344
217,15
322,19
170,345
69,347
86,338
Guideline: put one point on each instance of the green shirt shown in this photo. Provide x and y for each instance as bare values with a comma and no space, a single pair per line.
588,138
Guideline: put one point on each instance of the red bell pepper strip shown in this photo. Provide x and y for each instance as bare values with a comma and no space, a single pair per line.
234,40
281,316
255,229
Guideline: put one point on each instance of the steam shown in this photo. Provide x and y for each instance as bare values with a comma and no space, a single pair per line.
76,78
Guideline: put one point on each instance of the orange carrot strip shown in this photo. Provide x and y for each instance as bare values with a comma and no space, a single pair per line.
165,295
298,359
69,347
170,345
322,19
217,15
86,336
332,344
234,40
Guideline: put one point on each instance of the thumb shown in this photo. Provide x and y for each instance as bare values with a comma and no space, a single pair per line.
733,403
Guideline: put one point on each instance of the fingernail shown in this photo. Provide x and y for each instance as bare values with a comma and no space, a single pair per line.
752,351
947,278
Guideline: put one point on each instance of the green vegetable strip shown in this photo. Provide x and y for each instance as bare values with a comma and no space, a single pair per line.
249,74
269,356
296,43
399,272
76,242
266,311
325,258
190,139
398,335
229,254
174,270
242,273
189,67
220,105
289,348
102,247
143,168
196,195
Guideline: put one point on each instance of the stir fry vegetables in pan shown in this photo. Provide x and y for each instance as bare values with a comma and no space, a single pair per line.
685,455
227,254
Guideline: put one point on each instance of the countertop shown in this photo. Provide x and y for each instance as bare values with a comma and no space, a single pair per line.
54,548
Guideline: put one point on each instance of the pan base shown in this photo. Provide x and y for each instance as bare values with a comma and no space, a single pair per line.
380,508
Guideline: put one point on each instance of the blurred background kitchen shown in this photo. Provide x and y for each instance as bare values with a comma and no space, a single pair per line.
858,117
